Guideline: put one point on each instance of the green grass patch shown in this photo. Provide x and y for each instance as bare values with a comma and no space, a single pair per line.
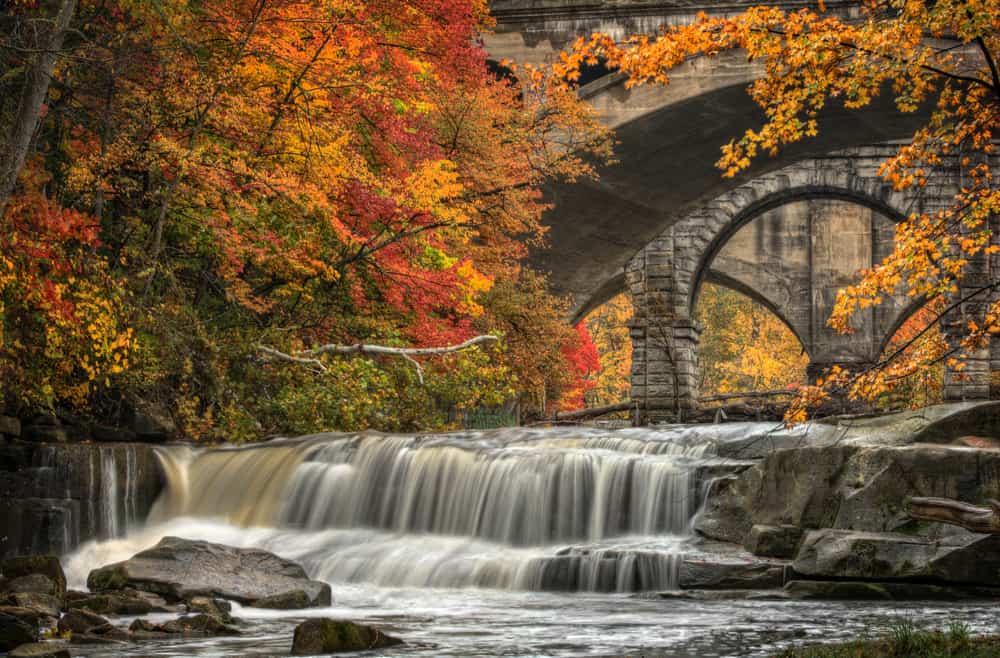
905,640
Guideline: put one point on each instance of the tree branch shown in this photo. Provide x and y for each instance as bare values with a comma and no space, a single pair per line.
308,357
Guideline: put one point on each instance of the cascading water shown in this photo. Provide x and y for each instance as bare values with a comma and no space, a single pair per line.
561,509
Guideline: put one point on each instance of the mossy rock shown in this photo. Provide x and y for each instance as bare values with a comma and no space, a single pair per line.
112,604
323,636
294,600
45,565
108,579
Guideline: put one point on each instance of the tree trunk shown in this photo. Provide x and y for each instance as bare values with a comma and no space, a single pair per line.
38,76
946,510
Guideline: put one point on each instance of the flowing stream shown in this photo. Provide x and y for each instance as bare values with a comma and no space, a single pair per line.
507,542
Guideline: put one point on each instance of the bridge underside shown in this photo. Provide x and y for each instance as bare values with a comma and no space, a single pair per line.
789,232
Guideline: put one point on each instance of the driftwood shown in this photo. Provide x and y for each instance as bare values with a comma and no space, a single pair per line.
592,412
308,357
946,510
747,394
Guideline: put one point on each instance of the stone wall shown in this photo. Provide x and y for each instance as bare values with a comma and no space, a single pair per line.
749,239
55,496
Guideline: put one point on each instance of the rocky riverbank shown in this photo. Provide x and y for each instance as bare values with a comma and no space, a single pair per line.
194,581
820,513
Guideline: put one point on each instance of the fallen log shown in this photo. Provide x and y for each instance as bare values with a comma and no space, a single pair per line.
592,412
955,512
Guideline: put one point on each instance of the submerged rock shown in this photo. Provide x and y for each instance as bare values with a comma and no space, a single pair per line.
179,569
40,650
321,636
968,560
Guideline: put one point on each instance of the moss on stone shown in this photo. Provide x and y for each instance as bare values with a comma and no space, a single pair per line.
323,636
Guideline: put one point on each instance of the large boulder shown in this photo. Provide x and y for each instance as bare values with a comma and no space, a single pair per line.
848,487
36,565
179,569
962,560
323,636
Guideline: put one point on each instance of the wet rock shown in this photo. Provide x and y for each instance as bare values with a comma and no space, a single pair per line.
201,625
209,606
151,424
773,541
723,572
14,632
972,560
106,634
45,565
113,604
29,616
32,583
44,604
45,434
848,487
75,595
295,600
52,496
322,636
40,650
179,569
10,426
883,591
112,434
81,621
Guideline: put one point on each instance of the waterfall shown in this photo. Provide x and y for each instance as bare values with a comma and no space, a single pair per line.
109,484
555,509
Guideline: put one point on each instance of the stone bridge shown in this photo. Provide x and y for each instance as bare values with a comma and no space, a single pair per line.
788,233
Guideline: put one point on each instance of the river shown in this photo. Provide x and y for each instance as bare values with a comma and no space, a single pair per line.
560,542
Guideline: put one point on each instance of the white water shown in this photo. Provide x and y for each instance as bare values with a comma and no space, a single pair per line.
453,542
577,510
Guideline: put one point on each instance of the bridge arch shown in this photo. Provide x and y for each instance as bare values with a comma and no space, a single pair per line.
789,239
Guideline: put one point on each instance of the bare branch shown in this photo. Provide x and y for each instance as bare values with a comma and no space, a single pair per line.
308,357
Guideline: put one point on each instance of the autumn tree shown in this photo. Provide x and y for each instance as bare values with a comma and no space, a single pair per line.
938,56
608,326
744,347
280,172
